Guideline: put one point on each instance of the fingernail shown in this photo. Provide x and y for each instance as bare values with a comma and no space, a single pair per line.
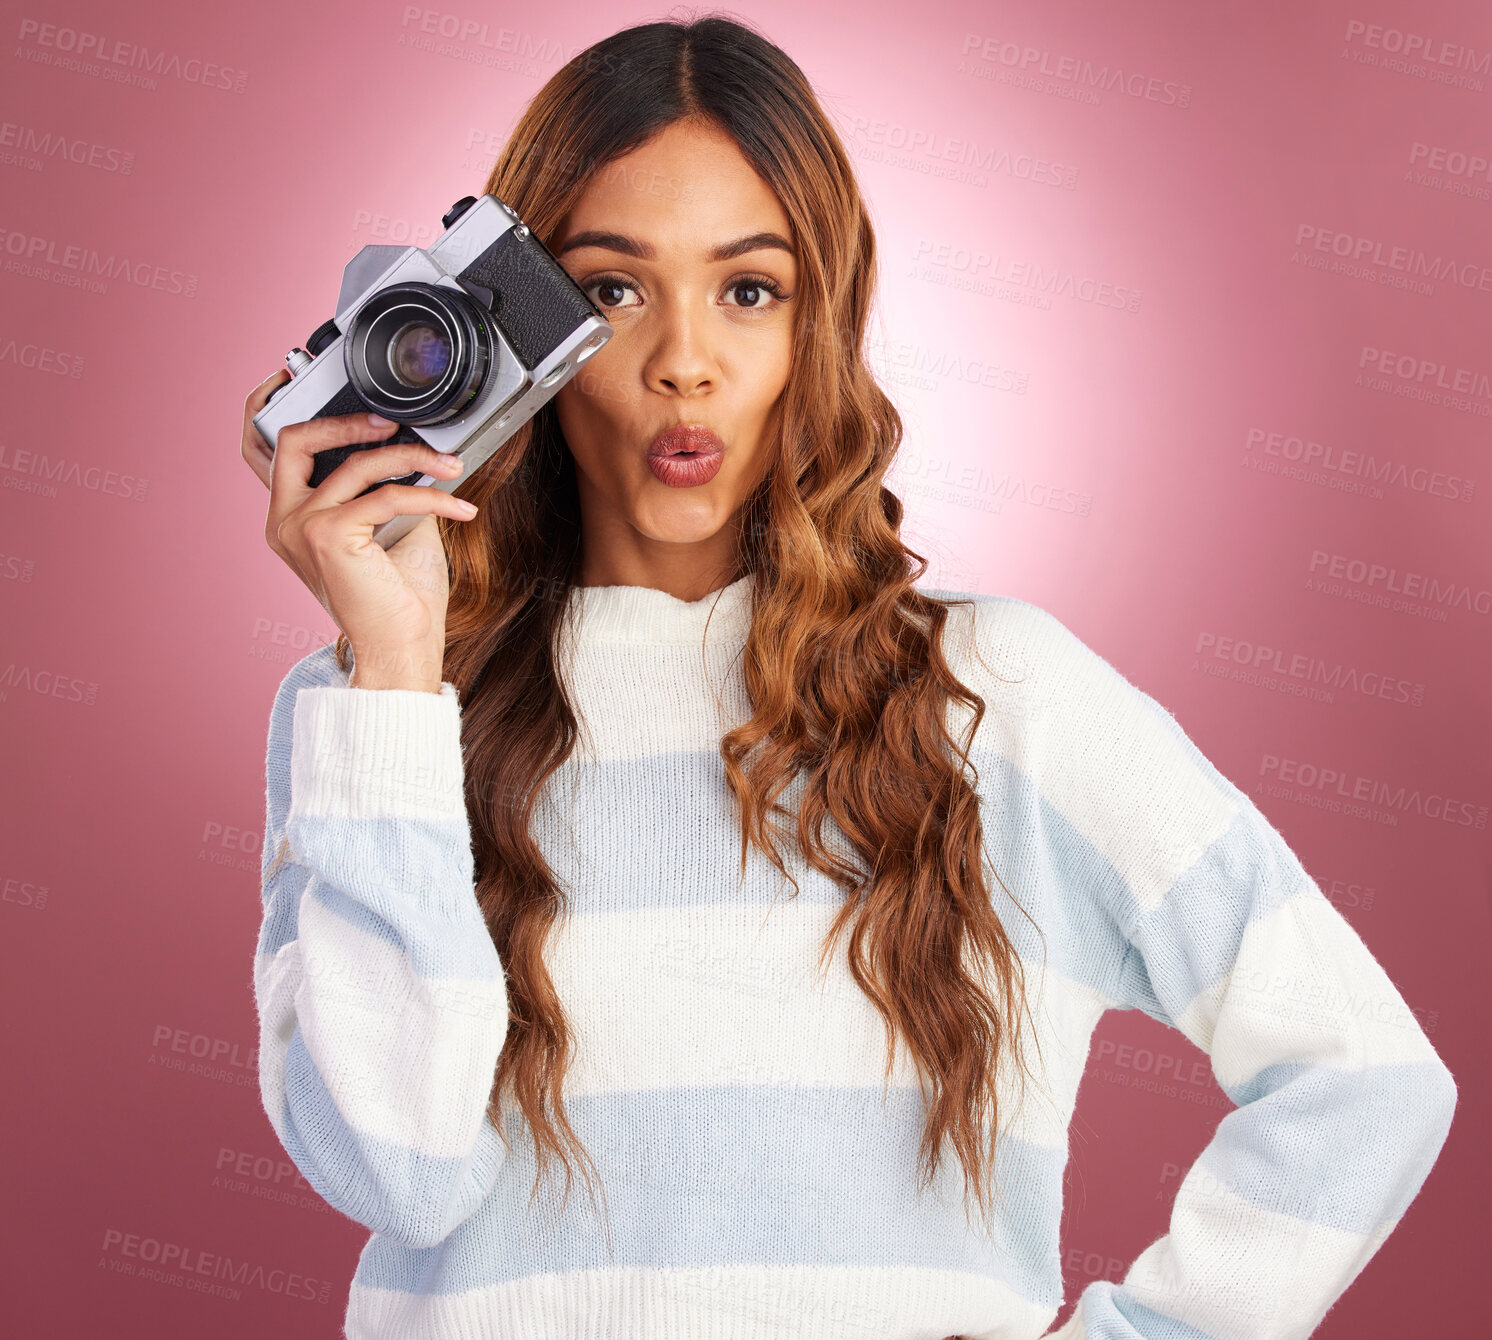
469,508
378,421
447,459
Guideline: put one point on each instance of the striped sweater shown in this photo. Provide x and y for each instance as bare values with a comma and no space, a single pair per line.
760,1180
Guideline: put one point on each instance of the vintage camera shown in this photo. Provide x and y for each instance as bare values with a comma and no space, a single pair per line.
459,345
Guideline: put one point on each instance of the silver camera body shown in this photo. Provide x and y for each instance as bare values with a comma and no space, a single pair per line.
460,345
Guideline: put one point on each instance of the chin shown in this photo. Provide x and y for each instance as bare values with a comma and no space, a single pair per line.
676,520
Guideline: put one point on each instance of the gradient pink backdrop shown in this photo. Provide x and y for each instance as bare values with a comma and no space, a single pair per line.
1123,451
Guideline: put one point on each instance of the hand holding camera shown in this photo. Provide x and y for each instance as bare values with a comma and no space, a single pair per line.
457,347
390,603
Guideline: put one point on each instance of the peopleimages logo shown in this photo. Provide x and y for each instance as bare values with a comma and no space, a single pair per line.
1431,372
1437,592
40,358
28,147
20,893
187,1266
1425,47
1388,263
1342,461
13,568
921,149
909,362
1464,390
45,683
36,472
968,484
1032,62
79,266
230,846
982,272
1333,786
204,1056
479,32
1306,668
259,1177
119,61
1451,162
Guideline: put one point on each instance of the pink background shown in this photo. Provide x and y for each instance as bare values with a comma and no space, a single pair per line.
1125,451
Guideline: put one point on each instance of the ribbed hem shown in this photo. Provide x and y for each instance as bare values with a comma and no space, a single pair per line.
639,615
724,1302
377,753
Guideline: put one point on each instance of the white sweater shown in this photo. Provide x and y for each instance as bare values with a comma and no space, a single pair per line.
760,1184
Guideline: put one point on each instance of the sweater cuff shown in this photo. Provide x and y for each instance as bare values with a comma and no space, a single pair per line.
377,753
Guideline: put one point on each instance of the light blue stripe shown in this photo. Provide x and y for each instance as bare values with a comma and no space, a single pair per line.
1060,879
596,829
1055,875
282,908
424,936
1345,1148
432,951
1066,886
746,1175
1191,940
392,1190
1111,1313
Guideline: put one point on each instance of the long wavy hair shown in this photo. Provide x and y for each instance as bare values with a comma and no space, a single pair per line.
843,666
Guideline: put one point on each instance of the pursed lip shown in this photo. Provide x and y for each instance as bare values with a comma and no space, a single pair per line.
693,438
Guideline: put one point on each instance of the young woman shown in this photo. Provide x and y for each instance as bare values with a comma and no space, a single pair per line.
647,820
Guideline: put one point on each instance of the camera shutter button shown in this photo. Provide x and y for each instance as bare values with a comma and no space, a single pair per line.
297,360
457,210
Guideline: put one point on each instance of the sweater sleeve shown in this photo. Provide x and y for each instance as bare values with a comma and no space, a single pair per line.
382,1003
1342,1105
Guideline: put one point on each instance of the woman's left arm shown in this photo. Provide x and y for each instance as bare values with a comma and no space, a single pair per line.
1343,1104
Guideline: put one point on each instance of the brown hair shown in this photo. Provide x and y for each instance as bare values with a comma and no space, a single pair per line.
843,665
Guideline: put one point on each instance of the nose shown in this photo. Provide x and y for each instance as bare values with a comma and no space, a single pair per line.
680,363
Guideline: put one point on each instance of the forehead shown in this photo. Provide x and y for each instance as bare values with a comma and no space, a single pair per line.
685,189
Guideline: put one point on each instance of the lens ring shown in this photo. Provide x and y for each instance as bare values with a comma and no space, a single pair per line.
418,353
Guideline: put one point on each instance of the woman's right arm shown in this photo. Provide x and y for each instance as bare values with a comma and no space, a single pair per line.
382,1002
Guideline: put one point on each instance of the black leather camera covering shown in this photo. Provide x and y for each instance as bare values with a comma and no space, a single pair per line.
534,299
347,401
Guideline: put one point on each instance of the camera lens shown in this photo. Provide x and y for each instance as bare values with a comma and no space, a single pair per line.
419,353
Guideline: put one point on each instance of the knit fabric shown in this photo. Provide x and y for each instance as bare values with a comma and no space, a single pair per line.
760,1180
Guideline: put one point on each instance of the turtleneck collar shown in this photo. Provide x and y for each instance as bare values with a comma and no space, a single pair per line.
639,615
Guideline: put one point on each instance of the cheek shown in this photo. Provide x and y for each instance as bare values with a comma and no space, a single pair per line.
761,368
593,417
602,392
770,385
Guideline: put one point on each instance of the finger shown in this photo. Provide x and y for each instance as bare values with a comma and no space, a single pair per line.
259,458
405,500
290,479
258,398
363,468
253,448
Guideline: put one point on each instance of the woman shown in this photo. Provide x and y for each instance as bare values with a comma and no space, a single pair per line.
528,842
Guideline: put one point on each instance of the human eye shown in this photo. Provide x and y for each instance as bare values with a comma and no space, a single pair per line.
610,284
756,285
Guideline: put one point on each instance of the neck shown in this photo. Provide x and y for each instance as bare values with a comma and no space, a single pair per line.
614,553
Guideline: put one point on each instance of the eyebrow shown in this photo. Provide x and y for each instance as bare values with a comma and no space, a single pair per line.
630,246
